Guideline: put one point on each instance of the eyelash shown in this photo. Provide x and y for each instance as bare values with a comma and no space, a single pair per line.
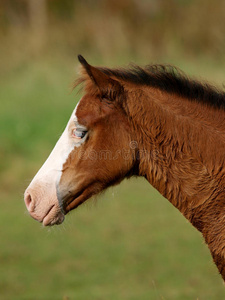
78,133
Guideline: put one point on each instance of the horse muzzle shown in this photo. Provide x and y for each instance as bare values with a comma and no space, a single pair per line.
42,205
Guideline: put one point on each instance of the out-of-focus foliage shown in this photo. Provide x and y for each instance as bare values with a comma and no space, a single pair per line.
111,28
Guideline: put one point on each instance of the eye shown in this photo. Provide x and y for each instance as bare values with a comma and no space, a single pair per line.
79,133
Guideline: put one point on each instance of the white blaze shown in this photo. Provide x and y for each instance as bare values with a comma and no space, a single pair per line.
51,169
41,196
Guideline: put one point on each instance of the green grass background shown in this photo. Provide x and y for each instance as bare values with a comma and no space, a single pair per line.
130,244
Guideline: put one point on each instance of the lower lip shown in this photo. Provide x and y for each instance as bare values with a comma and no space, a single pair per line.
46,220
55,219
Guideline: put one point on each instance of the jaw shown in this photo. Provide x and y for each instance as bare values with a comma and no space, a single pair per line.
68,201
75,202
85,193
78,199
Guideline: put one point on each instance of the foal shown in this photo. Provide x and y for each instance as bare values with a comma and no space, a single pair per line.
152,122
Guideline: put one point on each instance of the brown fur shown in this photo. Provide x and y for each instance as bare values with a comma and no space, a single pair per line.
179,144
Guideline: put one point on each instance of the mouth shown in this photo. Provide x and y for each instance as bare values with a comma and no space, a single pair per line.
54,216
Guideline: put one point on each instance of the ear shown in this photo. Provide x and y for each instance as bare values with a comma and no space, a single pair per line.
108,87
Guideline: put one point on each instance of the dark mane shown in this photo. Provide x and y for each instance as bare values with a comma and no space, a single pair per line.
172,80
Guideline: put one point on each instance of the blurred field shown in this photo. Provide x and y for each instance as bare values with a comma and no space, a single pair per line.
130,243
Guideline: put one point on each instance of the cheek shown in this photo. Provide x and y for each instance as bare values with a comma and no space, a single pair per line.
70,169
101,159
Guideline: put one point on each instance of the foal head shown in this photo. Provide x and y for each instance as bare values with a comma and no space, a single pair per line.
93,152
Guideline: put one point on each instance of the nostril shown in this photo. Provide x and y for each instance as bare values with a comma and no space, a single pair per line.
28,201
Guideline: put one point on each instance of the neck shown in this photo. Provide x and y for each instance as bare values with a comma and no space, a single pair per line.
176,157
